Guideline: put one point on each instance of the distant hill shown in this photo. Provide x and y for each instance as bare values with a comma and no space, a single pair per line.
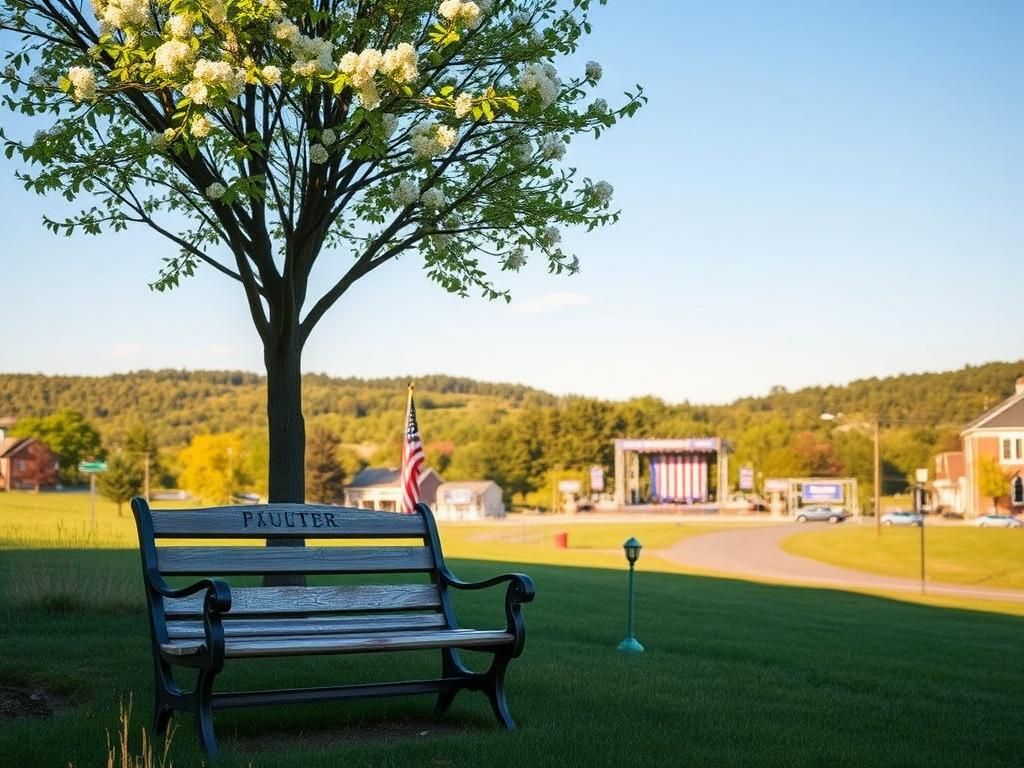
516,434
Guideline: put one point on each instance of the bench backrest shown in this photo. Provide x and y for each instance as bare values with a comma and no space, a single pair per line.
400,544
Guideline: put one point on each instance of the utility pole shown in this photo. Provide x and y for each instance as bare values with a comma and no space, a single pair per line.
145,479
878,485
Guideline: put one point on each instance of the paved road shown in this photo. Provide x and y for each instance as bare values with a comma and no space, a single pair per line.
756,552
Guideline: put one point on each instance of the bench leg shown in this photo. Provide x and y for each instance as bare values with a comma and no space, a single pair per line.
166,693
495,690
161,716
451,666
204,713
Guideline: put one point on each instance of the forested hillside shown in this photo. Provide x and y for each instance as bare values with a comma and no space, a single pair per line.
517,435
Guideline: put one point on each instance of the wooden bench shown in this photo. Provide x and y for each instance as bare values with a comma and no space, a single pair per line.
206,623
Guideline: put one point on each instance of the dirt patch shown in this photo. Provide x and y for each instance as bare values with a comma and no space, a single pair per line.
398,729
27,702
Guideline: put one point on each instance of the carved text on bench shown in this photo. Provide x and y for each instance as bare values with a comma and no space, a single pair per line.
288,519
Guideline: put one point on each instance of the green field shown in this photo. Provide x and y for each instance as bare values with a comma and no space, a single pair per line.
735,673
956,554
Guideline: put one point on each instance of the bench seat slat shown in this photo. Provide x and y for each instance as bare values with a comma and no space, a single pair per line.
283,601
336,625
263,521
302,645
202,561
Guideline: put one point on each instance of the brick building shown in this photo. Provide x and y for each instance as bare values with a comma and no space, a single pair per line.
25,463
998,434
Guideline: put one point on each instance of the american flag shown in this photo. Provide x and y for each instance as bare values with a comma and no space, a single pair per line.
412,460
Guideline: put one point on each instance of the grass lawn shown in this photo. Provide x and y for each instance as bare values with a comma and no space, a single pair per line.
961,555
735,673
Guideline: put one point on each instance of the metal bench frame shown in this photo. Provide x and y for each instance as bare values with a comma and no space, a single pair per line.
216,605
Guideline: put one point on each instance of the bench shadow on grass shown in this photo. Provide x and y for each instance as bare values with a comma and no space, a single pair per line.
798,657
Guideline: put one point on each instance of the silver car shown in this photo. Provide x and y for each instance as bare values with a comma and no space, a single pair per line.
831,514
903,517
998,521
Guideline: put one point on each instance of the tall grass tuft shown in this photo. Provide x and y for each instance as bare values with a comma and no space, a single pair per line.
74,585
119,751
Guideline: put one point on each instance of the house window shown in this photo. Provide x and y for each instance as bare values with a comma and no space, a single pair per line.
1011,450
1017,491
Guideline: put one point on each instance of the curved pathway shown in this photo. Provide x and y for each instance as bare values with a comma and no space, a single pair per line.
757,553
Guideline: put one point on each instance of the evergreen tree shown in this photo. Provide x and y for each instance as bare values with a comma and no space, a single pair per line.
121,481
325,478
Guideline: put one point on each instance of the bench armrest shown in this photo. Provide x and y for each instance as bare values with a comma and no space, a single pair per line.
216,602
520,586
520,590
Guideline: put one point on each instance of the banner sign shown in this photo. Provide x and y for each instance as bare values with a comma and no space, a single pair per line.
775,485
746,478
458,496
821,492
569,486
597,479
670,446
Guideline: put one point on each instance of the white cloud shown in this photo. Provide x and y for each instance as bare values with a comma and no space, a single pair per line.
552,302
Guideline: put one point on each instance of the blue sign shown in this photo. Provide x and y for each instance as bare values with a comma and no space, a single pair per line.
821,492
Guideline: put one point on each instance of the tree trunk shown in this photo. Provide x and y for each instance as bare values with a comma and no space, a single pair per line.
287,482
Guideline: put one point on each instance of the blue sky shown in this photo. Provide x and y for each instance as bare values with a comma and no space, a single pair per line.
815,193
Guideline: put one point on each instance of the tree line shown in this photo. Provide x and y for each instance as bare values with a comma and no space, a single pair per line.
205,430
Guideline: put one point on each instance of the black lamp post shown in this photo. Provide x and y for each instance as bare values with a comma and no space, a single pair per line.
631,645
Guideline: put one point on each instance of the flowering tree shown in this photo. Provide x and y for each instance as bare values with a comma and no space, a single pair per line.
268,137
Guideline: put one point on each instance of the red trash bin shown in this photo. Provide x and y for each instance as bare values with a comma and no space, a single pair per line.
562,540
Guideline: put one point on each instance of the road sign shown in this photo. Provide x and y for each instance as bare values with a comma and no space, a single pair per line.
746,478
569,486
821,492
596,479
92,467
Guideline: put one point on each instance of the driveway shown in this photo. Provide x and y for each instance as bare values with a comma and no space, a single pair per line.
757,553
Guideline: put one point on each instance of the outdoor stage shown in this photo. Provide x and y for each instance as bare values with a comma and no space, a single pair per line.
688,474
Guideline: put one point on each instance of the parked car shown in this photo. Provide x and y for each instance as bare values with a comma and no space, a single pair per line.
832,514
903,517
998,521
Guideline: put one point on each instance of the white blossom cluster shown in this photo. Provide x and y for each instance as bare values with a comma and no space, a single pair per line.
433,198
271,75
516,260
549,236
318,154
328,137
552,146
228,80
542,79
463,105
593,71
408,192
200,127
83,80
598,107
459,12
399,63
388,124
121,14
215,191
601,193
179,26
430,139
173,56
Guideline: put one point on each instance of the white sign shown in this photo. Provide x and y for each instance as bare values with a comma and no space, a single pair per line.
569,486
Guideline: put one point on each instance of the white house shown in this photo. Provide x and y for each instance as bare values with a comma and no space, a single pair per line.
381,488
469,500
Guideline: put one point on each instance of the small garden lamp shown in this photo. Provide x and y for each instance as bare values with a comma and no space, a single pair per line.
630,645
